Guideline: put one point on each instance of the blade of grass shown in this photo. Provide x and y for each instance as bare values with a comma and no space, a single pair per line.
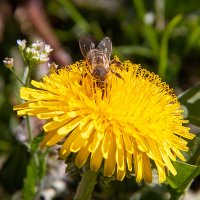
192,39
164,45
133,50
75,15
139,6
147,29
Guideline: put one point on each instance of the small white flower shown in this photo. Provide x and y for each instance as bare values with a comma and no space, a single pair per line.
48,48
8,62
43,58
37,45
31,52
21,44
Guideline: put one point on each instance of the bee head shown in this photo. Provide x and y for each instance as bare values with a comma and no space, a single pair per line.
100,73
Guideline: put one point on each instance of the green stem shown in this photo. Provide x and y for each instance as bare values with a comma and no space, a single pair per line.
17,77
86,185
26,79
27,75
29,128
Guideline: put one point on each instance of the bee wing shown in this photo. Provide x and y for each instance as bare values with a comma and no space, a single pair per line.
105,45
85,45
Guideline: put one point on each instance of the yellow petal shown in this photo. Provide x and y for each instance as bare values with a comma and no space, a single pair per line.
128,144
147,173
95,143
47,137
49,115
51,139
167,161
161,172
77,143
129,161
52,125
138,163
120,153
21,106
96,159
178,153
62,117
110,162
65,149
64,130
87,130
82,156
106,144
120,174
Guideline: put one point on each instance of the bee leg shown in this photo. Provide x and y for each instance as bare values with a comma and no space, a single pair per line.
116,74
83,75
116,63
101,84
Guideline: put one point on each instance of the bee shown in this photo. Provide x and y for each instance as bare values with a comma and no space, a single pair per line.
98,59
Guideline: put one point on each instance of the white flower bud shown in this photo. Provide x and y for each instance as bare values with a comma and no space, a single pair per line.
37,45
8,62
43,58
48,48
21,44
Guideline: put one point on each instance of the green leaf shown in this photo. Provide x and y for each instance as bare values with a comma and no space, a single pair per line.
13,169
30,180
185,174
193,155
163,59
36,168
151,36
190,101
42,163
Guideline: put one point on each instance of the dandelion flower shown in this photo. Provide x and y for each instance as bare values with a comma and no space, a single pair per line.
133,124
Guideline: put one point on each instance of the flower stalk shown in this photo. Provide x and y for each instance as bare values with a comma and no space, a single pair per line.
17,77
86,185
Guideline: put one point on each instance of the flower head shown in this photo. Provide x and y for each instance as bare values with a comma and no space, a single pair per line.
126,127
36,53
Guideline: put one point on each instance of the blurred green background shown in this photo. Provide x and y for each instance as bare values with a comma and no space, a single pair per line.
162,35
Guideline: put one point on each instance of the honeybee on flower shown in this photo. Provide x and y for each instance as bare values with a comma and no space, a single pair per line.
98,59
136,123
